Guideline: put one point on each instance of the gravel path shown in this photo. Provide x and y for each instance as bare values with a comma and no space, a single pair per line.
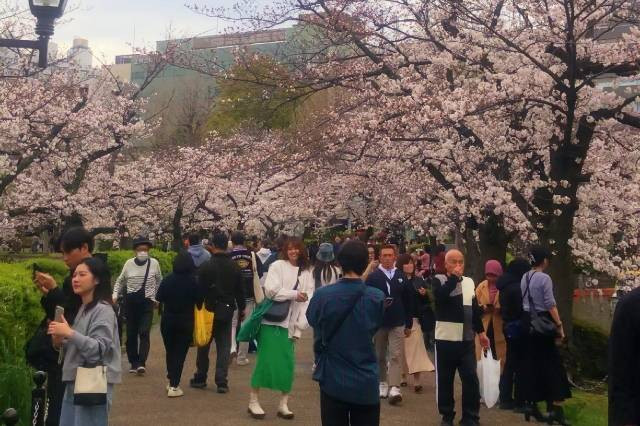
143,400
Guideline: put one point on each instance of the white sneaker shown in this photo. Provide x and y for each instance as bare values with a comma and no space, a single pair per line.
174,392
395,396
384,390
243,361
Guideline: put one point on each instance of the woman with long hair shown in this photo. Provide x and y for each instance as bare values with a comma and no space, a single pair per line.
93,340
545,375
289,283
325,270
415,352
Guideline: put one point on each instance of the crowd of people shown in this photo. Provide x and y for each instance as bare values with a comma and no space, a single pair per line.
377,316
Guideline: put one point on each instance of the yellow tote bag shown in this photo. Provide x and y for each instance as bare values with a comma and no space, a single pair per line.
203,326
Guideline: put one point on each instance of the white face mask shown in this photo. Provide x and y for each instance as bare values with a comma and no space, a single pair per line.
142,256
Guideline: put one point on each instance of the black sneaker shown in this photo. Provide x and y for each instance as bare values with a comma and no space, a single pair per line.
198,384
223,389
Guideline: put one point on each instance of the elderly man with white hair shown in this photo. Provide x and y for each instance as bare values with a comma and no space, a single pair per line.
458,320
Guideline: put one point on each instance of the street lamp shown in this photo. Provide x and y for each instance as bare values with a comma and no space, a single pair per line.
46,12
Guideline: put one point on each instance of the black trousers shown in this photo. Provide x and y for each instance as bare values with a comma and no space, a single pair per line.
511,378
177,336
461,357
139,317
339,413
55,393
222,337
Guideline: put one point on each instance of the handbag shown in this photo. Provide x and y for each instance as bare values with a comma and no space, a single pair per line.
539,325
91,384
202,326
279,311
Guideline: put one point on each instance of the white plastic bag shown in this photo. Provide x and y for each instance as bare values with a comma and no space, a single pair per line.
489,378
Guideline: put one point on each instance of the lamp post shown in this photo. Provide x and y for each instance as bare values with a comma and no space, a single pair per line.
46,12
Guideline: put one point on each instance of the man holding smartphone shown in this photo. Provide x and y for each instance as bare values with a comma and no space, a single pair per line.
458,320
76,245
396,323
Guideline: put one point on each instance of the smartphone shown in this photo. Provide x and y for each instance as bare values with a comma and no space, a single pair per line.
59,314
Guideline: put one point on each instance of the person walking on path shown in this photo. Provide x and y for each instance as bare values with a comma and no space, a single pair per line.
345,317
139,283
76,245
458,320
545,376
416,359
488,297
198,252
396,324
290,281
245,259
325,271
510,297
624,353
179,293
93,339
222,282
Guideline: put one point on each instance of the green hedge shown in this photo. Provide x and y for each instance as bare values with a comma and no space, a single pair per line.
20,314
587,409
588,356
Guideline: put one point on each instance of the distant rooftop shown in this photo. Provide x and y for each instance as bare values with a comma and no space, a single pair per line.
239,39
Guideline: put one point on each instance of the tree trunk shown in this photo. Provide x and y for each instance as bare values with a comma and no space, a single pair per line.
474,267
176,245
493,241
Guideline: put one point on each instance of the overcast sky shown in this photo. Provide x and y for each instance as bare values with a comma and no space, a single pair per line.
113,26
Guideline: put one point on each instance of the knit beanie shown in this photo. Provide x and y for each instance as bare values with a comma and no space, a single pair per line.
493,267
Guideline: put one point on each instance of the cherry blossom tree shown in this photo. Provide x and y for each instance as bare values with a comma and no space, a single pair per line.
499,102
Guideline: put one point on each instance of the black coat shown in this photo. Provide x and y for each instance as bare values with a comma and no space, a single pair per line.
179,292
223,282
624,362
510,294
421,305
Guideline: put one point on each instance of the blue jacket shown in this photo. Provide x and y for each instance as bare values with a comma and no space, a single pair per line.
401,290
347,368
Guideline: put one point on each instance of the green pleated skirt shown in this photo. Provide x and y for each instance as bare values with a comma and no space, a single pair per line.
275,361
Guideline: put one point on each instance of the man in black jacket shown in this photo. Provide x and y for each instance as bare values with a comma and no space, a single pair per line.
396,323
222,278
624,369
458,320
76,245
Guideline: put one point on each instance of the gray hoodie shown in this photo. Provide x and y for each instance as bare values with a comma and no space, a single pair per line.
95,333
199,254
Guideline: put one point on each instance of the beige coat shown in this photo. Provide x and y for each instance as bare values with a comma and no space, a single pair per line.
483,298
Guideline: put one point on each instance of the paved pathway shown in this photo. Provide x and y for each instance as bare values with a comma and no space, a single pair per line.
143,400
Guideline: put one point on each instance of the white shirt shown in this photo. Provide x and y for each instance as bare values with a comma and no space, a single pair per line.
388,272
281,279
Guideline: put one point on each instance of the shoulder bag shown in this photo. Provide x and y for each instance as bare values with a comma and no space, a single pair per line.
279,311
539,325
91,383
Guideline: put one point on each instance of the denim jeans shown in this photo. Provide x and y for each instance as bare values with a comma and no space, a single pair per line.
78,415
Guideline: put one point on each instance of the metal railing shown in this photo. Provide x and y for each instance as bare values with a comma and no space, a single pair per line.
39,406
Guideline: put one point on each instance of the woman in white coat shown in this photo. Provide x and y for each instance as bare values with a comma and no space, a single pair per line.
289,280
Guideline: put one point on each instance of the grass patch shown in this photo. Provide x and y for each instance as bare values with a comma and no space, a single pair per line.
587,409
